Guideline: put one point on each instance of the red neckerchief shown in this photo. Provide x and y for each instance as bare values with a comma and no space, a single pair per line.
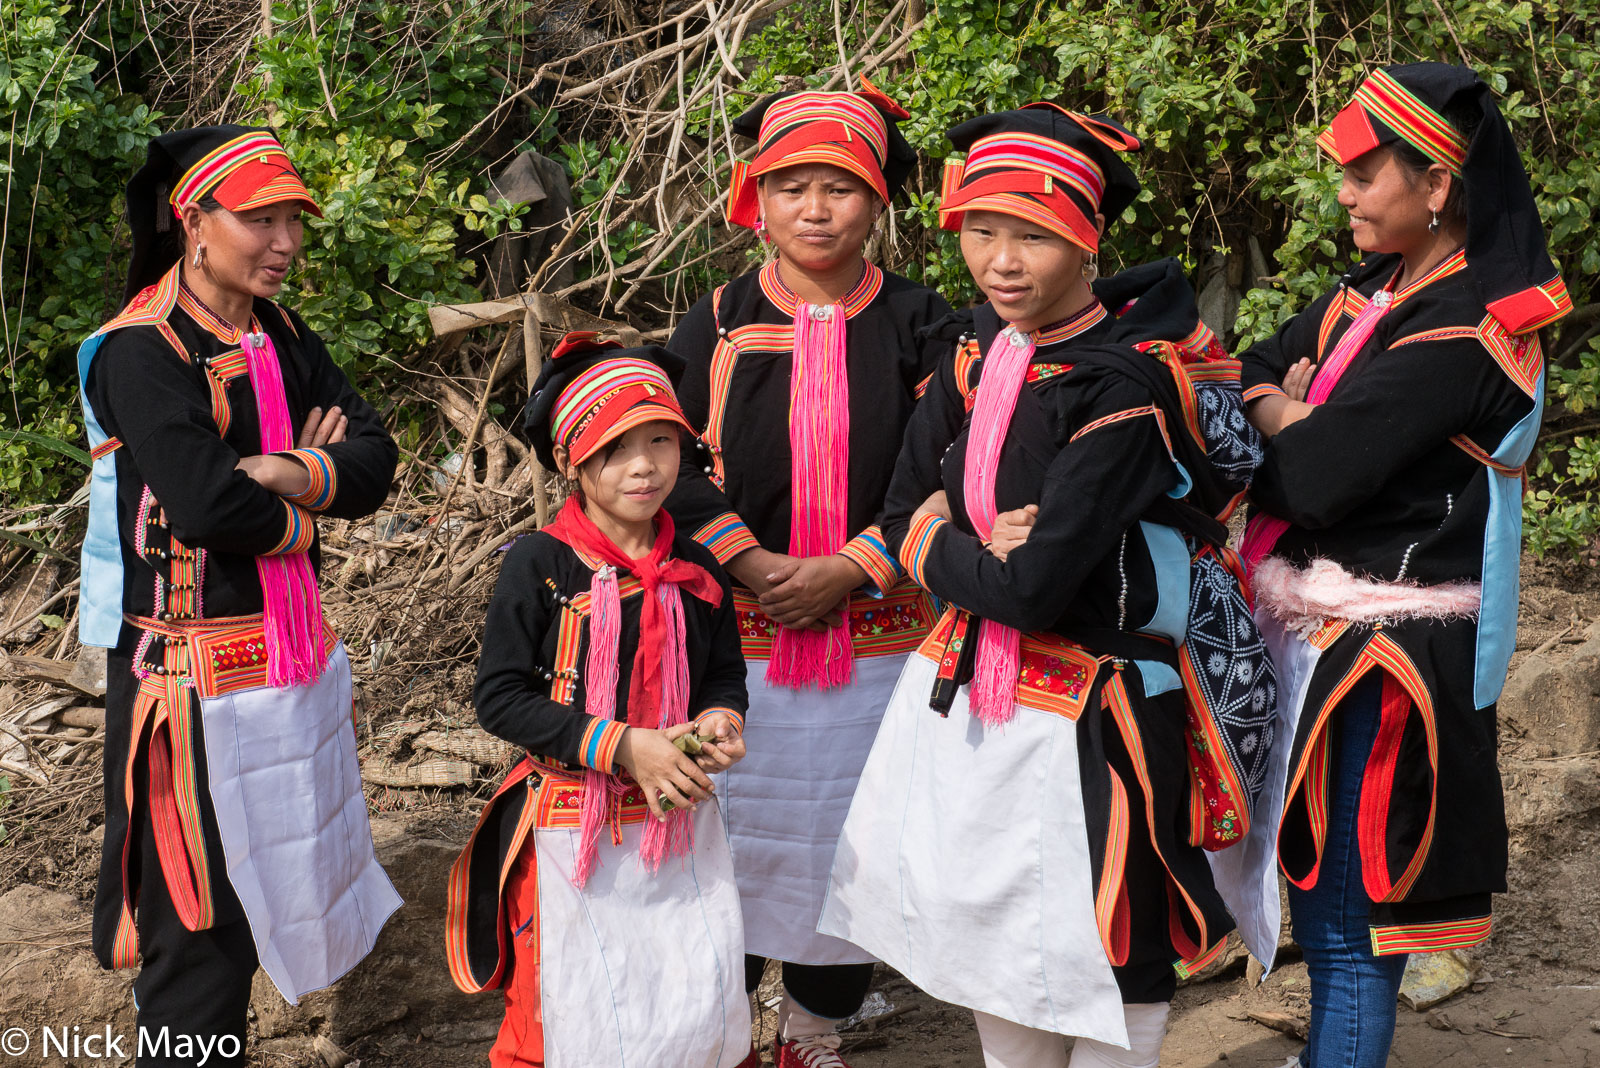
574,528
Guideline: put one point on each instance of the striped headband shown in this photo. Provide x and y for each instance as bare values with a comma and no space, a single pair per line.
609,399
1407,115
852,112
1030,152
271,176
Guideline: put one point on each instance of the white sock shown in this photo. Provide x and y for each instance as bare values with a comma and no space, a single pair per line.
795,1022
1013,1045
1147,1027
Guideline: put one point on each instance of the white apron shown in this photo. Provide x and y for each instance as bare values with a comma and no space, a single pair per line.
964,864
786,800
616,957
286,787
1246,873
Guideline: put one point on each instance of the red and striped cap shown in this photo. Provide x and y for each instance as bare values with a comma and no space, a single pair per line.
1384,111
1054,167
247,171
855,132
593,390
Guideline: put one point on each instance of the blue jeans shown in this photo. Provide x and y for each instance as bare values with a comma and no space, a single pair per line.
1353,991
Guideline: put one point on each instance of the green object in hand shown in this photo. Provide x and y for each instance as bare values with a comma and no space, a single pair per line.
689,745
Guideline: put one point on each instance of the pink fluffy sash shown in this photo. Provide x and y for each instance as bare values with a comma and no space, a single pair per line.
291,604
1302,599
1005,368
819,448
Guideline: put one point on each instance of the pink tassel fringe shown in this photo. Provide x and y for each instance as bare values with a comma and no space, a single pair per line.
674,836
600,791
292,605
819,444
1005,368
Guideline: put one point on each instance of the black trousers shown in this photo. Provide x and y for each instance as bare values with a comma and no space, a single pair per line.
193,988
832,991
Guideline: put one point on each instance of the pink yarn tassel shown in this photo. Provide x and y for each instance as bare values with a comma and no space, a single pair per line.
600,790
1261,534
1005,368
819,446
291,603
674,836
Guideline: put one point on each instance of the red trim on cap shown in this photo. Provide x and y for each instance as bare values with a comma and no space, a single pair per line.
620,414
1027,195
1350,135
576,341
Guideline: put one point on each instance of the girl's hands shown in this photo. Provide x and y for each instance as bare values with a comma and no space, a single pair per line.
661,770
722,744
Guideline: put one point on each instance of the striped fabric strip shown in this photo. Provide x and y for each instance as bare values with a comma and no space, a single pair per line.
852,111
919,543
734,714
1265,389
1430,937
298,531
1115,697
1520,356
105,448
324,484
786,301
1116,417
1383,651
1408,115
1111,896
598,747
868,551
1028,152
1195,965
726,536
196,309
223,161
588,393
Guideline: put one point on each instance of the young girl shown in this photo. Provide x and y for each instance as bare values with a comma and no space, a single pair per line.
602,858
1386,549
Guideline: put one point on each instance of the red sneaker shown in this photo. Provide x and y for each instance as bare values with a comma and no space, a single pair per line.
813,1051
752,1061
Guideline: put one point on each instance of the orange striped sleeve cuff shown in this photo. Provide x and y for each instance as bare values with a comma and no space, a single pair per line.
324,479
868,552
598,747
1265,389
736,716
919,542
726,536
299,529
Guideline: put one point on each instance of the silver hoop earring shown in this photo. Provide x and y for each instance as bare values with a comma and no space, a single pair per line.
1091,267
199,255
1433,227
